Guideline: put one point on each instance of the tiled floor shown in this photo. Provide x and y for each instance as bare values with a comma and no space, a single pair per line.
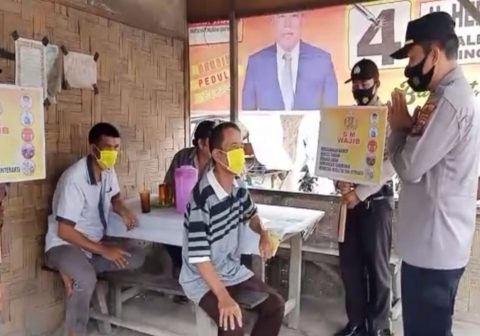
319,318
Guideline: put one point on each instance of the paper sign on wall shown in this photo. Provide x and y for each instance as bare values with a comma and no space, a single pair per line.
22,134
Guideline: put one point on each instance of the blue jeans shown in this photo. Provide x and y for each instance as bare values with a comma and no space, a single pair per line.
428,300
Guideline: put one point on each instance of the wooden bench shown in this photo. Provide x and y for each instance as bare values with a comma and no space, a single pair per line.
126,285
331,256
99,301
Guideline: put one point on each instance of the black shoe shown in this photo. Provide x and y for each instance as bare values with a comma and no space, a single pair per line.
351,330
385,332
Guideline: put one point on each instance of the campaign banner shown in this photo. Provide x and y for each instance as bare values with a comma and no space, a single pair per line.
22,134
351,144
336,36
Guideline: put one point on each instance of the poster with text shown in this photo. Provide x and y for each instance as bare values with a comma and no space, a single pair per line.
22,134
351,144
325,44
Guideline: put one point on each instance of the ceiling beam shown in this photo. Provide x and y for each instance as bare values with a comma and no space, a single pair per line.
212,10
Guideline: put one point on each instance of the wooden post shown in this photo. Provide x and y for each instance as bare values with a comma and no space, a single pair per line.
342,222
233,63
295,280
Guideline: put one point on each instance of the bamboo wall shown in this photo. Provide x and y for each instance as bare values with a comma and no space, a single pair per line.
141,82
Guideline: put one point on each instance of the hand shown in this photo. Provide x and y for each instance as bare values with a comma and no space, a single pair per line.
116,255
68,283
345,187
398,116
129,218
230,313
266,246
351,199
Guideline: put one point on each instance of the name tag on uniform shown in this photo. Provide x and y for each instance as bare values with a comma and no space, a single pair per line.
422,119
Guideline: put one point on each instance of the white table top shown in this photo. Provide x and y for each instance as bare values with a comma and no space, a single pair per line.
165,225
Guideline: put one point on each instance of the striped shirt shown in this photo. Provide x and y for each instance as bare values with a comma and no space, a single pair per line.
214,221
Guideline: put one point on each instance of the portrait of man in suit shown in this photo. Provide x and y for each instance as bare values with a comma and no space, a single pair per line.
290,74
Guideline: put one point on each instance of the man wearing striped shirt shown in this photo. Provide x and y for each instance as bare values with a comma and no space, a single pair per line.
212,273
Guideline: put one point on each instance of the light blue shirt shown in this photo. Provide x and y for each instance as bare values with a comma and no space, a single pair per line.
438,167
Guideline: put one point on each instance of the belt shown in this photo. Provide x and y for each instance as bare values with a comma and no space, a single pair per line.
368,201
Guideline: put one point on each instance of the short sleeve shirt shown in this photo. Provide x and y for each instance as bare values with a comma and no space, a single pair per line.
214,222
79,200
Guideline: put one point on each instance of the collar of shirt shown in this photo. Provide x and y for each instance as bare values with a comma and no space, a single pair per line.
91,171
217,187
295,53
453,75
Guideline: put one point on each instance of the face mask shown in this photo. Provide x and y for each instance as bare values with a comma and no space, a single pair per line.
417,80
363,97
108,158
236,161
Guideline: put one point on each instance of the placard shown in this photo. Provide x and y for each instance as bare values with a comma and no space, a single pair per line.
351,144
31,64
22,134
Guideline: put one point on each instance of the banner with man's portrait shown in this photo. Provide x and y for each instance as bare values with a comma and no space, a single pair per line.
327,43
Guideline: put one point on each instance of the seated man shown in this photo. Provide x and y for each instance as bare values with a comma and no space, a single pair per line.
81,203
212,272
197,156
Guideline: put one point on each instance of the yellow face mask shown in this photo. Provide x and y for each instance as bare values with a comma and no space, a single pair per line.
108,158
236,161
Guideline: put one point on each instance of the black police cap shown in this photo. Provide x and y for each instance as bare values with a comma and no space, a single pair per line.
436,26
364,69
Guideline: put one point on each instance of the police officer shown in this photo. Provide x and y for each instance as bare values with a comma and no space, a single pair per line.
365,253
435,153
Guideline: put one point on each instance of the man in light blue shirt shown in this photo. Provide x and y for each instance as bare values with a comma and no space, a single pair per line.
435,153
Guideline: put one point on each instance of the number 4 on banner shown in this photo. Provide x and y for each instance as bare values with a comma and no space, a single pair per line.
375,31
366,48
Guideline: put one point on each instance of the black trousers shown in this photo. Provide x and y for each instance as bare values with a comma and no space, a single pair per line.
175,253
364,263
428,300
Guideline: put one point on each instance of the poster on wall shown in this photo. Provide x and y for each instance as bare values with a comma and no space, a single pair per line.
351,144
22,134
323,44
54,72
31,64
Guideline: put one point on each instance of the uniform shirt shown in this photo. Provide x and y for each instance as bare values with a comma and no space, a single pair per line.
77,200
364,191
437,164
214,221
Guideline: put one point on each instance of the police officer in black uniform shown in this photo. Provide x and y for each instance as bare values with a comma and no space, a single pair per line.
365,252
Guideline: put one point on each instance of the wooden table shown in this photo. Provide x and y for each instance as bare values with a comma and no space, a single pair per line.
165,225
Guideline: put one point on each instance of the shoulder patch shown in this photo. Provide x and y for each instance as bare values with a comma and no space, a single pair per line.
422,119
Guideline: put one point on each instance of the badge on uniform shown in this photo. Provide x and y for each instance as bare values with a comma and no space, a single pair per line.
422,118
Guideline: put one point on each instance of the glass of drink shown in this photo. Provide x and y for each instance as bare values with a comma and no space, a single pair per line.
162,194
145,201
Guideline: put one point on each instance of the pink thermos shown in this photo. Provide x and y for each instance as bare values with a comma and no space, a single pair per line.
185,179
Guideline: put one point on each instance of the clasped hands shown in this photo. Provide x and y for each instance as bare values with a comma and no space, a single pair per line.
398,116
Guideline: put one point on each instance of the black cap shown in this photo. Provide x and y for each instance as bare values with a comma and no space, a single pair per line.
437,26
364,69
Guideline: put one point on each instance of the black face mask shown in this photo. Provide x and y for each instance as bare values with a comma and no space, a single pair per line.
363,97
417,80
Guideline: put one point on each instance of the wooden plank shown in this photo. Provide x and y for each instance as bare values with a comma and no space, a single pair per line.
101,302
290,306
295,280
140,327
